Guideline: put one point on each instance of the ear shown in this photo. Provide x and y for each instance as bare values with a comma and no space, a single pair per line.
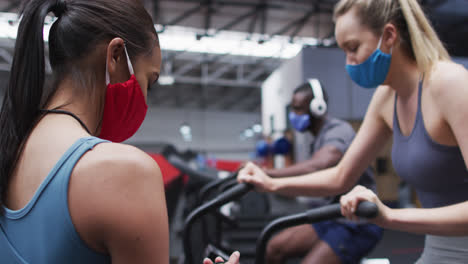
115,53
389,37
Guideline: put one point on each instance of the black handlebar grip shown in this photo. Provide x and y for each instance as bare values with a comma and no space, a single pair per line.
235,192
229,195
367,209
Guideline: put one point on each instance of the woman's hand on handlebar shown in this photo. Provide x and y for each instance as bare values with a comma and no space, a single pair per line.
252,174
350,201
234,259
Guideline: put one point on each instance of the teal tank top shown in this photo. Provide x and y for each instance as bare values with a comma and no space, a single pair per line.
42,232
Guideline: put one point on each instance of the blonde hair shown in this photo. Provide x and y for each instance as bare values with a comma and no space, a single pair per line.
419,40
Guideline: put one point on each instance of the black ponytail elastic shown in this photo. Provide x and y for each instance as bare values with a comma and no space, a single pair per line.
60,8
21,103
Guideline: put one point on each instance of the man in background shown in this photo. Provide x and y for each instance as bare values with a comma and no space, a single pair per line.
338,241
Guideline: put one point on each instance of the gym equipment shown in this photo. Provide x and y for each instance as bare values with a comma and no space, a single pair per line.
365,209
328,212
252,205
196,178
262,148
218,232
282,146
231,194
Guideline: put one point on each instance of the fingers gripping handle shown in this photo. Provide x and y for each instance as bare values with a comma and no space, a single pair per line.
367,209
234,193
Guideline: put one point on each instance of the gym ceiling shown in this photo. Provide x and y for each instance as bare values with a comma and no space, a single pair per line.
228,82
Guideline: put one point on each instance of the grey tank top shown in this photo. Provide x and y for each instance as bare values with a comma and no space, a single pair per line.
436,172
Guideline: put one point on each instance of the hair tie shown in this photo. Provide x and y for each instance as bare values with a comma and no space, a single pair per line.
60,8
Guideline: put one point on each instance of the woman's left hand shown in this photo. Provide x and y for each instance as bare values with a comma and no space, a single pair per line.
350,201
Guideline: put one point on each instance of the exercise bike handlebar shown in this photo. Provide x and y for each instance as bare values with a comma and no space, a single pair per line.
231,194
365,209
205,190
184,168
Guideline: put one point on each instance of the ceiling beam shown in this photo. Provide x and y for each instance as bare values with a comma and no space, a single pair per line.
157,12
186,14
302,22
263,21
295,23
255,74
220,82
209,13
253,24
219,72
186,68
239,19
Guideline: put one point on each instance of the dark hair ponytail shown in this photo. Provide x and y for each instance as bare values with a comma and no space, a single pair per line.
20,108
82,24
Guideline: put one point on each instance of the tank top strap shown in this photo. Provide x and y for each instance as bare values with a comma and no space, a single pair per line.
60,173
396,124
419,110
64,170
71,157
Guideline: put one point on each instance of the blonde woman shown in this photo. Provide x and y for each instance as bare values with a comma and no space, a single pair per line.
420,101
69,193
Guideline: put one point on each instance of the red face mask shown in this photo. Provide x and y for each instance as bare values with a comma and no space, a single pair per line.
124,109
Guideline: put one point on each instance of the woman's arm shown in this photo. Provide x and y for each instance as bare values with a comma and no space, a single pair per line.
449,92
325,157
372,135
120,206
444,221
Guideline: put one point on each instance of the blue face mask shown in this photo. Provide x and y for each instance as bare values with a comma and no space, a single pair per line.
372,72
299,122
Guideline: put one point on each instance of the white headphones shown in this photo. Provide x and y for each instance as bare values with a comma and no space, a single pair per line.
318,106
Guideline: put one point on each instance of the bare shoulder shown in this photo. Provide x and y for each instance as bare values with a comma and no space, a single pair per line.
118,161
382,104
447,70
384,94
109,170
125,189
448,82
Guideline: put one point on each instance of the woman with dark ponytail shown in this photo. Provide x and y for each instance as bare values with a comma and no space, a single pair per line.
69,193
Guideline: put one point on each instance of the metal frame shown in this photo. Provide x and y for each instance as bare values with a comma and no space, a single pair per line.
226,82
221,70
256,9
